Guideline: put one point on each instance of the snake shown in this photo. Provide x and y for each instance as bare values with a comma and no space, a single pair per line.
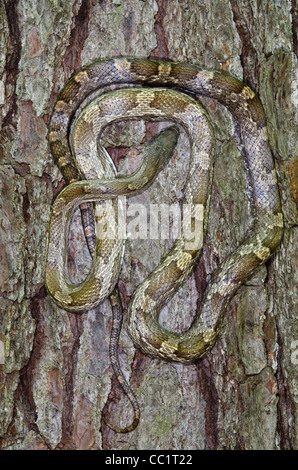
157,90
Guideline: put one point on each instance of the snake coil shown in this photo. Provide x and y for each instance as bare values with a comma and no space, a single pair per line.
84,108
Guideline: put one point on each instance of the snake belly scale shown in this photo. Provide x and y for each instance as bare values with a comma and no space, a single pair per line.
100,183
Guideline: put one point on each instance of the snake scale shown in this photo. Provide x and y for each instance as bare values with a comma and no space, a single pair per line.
154,89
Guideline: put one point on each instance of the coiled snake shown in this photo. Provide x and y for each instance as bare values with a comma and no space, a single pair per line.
85,111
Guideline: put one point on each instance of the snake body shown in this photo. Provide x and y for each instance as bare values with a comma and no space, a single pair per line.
99,183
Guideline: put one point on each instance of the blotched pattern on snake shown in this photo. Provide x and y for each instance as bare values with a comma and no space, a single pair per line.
85,110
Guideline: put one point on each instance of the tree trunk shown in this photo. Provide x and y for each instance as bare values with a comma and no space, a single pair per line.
56,376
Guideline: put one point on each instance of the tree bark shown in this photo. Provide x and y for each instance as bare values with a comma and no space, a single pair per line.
56,376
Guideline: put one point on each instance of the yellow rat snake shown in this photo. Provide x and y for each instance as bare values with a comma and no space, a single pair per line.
85,106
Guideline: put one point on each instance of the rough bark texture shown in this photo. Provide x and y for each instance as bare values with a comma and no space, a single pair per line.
56,376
